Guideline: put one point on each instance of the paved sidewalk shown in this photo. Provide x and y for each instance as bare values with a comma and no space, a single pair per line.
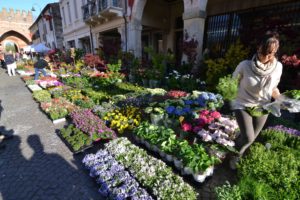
36,164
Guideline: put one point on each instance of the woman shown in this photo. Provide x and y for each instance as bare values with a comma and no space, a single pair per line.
10,63
258,81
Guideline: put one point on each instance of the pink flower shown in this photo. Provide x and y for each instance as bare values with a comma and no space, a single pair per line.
215,114
186,127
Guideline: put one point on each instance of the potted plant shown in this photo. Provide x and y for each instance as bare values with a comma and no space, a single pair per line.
156,114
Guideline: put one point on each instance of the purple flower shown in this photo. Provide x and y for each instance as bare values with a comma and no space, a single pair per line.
285,129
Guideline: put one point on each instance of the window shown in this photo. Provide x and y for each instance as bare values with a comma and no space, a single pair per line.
50,25
64,16
76,11
69,12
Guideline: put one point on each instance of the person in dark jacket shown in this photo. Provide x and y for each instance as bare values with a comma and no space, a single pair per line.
39,66
10,63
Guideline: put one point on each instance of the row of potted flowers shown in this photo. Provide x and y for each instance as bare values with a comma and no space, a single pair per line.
190,159
150,172
115,182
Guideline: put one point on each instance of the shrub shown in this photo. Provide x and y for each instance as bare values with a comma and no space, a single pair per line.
224,66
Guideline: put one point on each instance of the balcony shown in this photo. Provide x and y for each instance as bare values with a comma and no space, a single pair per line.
110,8
96,11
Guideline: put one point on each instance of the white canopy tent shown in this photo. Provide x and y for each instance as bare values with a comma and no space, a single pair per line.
39,48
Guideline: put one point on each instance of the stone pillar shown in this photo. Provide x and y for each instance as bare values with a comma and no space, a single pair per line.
134,37
122,31
194,22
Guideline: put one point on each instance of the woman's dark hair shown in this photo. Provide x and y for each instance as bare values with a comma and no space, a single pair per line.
268,42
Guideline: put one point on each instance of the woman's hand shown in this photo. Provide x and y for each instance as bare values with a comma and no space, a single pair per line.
276,93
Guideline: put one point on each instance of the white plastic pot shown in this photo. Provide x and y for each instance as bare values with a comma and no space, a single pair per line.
177,163
199,177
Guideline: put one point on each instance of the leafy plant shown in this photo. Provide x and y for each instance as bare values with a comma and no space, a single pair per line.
278,167
42,96
228,192
157,63
76,138
228,87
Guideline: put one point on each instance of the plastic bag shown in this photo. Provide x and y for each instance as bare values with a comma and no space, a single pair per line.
284,103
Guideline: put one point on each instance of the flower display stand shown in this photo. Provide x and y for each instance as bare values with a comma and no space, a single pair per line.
34,87
57,121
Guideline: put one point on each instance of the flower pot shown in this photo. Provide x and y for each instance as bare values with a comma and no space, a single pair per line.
145,82
136,138
187,170
153,83
155,148
169,157
147,144
157,119
177,163
162,154
199,177
209,171
142,140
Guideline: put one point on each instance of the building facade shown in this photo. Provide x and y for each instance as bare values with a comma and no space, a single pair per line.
47,28
131,25
76,32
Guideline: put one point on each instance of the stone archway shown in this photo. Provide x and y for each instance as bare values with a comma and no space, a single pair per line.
15,27
18,39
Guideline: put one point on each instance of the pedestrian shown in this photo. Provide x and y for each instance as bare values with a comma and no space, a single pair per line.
40,65
258,81
10,63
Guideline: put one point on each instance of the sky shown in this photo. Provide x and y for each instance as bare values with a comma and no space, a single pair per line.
26,5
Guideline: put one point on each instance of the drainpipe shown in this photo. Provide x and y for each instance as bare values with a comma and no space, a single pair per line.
125,19
91,38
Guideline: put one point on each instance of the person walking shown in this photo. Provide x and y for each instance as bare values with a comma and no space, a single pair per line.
258,81
10,63
40,65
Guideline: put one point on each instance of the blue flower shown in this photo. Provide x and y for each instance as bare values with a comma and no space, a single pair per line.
187,110
188,102
170,109
204,95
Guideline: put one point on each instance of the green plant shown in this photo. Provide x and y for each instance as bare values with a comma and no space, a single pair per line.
228,87
157,63
251,188
42,96
76,138
228,192
278,167
221,67
30,82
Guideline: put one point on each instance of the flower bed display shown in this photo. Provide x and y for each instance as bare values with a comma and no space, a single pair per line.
115,182
48,81
150,172
58,109
76,140
91,124
42,96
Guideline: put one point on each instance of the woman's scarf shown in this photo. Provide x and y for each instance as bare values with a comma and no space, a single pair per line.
263,71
